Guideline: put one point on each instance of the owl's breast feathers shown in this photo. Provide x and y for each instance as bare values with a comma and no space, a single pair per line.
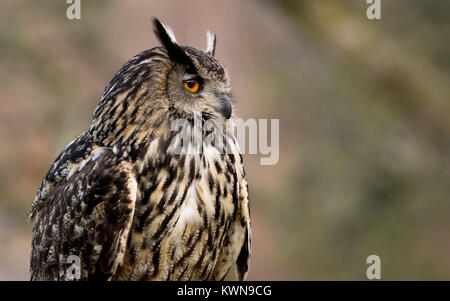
151,216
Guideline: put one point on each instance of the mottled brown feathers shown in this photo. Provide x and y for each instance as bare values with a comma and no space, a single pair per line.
130,208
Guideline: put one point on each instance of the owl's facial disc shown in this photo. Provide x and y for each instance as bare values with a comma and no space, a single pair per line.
192,93
197,83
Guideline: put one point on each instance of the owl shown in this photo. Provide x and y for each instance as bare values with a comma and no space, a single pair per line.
124,203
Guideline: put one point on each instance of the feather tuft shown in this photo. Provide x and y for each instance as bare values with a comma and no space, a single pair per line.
175,51
210,43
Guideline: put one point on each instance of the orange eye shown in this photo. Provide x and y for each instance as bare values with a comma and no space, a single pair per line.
191,85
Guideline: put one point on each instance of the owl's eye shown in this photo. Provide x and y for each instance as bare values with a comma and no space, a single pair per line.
191,85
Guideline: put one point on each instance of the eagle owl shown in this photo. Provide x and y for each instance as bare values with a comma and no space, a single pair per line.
128,206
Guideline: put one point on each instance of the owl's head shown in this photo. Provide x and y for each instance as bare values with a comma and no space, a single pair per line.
160,85
197,82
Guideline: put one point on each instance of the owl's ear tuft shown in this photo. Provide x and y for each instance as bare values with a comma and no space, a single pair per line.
164,32
167,38
211,43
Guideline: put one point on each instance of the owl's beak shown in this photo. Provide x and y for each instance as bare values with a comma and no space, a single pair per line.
226,109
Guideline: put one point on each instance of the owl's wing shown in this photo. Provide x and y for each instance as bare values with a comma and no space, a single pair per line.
88,214
237,243
243,260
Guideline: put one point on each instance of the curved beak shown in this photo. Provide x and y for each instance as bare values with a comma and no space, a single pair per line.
226,108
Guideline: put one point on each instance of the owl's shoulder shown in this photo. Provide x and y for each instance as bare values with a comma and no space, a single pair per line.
76,151
85,203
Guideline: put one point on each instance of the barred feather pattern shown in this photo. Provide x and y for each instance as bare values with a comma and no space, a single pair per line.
131,209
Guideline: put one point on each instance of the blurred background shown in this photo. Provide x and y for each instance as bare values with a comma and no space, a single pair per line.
364,110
